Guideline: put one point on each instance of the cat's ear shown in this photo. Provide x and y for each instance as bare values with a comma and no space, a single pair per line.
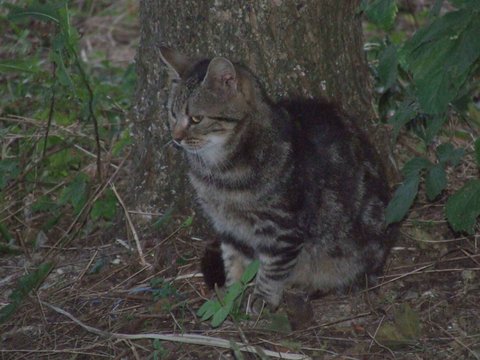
176,61
221,76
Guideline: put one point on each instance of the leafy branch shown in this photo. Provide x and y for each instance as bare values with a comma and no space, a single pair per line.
423,80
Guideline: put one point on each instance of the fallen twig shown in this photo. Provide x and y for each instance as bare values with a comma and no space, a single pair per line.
132,228
182,338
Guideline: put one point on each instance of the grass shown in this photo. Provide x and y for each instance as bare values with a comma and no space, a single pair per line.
74,283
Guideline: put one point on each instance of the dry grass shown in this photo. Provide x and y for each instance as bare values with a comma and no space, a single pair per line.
426,306
436,276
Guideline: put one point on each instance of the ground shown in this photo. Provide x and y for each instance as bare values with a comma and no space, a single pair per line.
425,306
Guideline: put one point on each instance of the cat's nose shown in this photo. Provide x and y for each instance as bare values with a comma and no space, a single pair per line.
178,134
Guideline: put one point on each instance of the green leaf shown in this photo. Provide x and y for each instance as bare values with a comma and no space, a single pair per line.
415,165
58,56
19,65
25,285
387,67
402,199
98,266
435,10
477,151
9,170
237,353
435,181
382,13
407,321
105,207
463,207
220,316
250,272
188,222
441,56
405,331
278,322
389,335
465,3
42,12
446,153
209,308
44,204
124,140
433,127
5,234
164,219
403,115
233,292
10,250
75,193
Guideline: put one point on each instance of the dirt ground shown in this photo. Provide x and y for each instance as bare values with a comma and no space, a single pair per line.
425,307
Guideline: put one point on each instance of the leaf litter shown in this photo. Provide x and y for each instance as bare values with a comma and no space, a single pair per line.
425,307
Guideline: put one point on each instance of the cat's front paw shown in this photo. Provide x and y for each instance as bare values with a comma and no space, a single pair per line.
255,305
258,302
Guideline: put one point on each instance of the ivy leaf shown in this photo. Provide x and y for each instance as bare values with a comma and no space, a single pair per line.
463,207
402,199
387,67
435,181
382,13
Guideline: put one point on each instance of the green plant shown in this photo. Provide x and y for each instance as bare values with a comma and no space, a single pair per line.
58,115
159,351
25,285
423,81
228,305
162,289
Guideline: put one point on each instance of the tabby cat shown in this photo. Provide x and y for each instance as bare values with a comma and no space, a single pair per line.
295,184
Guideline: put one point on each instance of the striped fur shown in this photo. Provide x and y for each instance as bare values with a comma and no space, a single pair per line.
295,184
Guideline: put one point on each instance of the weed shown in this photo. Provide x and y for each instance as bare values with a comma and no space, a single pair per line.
228,305
422,82
62,125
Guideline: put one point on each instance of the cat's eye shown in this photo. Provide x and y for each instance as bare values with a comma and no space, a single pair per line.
196,119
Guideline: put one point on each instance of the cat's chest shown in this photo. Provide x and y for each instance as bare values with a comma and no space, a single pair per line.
228,209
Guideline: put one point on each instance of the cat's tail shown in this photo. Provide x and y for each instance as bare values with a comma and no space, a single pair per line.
212,266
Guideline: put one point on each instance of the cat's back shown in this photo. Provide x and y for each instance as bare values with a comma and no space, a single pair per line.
341,174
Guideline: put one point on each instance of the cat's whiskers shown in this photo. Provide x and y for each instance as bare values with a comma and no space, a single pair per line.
168,143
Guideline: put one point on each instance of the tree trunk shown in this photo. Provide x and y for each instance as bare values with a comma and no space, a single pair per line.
296,48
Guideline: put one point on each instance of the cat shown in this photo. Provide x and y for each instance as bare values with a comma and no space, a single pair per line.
294,184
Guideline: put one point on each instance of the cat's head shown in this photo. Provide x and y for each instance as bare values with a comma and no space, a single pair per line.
208,101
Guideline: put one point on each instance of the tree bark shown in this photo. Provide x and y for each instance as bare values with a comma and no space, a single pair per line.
296,48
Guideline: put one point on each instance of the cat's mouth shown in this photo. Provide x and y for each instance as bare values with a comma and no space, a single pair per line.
191,144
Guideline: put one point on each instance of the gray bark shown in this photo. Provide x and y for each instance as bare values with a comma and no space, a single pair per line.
296,48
